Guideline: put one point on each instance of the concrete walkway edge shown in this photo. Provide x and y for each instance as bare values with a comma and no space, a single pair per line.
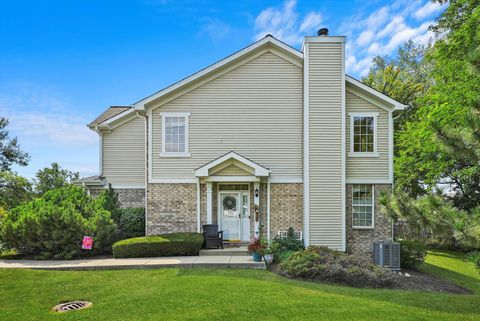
137,263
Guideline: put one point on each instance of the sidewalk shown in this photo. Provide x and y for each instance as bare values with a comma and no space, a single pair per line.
137,263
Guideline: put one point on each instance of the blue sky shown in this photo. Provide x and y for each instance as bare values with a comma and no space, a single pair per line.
63,62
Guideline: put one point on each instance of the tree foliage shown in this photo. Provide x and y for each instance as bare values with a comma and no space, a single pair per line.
14,190
52,226
10,152
53,177
437,139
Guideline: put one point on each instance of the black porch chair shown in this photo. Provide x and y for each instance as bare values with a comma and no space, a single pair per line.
213,237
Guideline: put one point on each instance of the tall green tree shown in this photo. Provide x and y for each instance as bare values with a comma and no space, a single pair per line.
405,77
14,190
10,152
53,177
423,160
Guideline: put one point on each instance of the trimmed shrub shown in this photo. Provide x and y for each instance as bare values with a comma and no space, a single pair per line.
53,226
322,264
132,222
412,253
283,247
174,244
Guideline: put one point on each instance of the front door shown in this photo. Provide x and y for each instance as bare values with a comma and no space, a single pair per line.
234,216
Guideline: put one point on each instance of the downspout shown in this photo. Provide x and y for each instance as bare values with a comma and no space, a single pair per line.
100,150
143,115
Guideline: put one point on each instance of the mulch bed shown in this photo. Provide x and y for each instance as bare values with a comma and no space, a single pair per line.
417,281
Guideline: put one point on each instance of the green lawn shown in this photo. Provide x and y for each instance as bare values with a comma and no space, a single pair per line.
172,294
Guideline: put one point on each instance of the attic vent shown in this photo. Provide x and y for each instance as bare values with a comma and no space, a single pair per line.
387,254
71,306
323,32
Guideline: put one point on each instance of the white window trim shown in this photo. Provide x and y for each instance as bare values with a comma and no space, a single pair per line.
375,153
186,153
373,210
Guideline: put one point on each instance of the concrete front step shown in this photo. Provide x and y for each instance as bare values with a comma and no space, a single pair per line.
228,251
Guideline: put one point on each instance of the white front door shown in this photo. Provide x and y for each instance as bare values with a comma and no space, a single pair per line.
234,216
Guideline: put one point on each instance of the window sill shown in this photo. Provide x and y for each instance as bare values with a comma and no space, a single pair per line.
363,227
363,155
178,155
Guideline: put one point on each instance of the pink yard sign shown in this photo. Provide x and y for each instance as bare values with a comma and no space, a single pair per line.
87,243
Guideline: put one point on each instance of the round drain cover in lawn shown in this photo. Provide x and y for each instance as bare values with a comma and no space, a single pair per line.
72,306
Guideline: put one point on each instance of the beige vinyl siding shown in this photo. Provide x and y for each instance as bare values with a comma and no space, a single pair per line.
231,170
254,110
124,154
325,106
370,167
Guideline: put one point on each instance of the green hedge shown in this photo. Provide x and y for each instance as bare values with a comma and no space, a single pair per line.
174,244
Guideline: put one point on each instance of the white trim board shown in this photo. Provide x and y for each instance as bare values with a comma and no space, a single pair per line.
306,147
368,181
259,170
395,105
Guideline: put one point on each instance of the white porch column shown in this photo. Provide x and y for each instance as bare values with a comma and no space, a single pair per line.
199,228
209,202
256,203
268,208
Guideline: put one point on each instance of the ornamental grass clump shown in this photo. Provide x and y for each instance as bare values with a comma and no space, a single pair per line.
322,264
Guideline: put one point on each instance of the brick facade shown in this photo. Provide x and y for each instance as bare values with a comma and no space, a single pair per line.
286,207
131,197
360,241
171,208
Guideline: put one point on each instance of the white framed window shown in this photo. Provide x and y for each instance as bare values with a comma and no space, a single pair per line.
363,135
363,206
175,135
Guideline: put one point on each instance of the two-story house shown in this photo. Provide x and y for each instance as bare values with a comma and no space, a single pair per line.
267,138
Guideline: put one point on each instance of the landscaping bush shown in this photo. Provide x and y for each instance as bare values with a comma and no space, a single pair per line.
322,264
283,247
162,245
131,222
473,257
53,225
412,253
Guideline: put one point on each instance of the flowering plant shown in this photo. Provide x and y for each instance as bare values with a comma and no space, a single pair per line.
258,245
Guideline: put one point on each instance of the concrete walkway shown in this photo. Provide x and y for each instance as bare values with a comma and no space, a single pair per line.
137,263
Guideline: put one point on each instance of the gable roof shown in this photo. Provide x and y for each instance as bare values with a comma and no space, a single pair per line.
267,40
392,103
111,112
259,170
117,112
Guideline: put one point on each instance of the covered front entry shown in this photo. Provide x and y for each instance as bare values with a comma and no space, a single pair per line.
234,211
237,180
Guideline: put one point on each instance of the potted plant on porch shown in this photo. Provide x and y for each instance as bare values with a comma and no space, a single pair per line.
257,247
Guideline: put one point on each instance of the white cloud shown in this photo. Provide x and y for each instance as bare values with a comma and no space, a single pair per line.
214,28
48,128
427,10
283,23
311,22
38,113
378,33
383,31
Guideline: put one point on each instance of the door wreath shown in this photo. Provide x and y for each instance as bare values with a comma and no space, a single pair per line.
229,203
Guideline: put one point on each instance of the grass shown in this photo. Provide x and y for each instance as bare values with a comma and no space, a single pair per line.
172,294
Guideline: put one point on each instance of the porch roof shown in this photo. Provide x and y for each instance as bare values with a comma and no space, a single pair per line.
229,159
